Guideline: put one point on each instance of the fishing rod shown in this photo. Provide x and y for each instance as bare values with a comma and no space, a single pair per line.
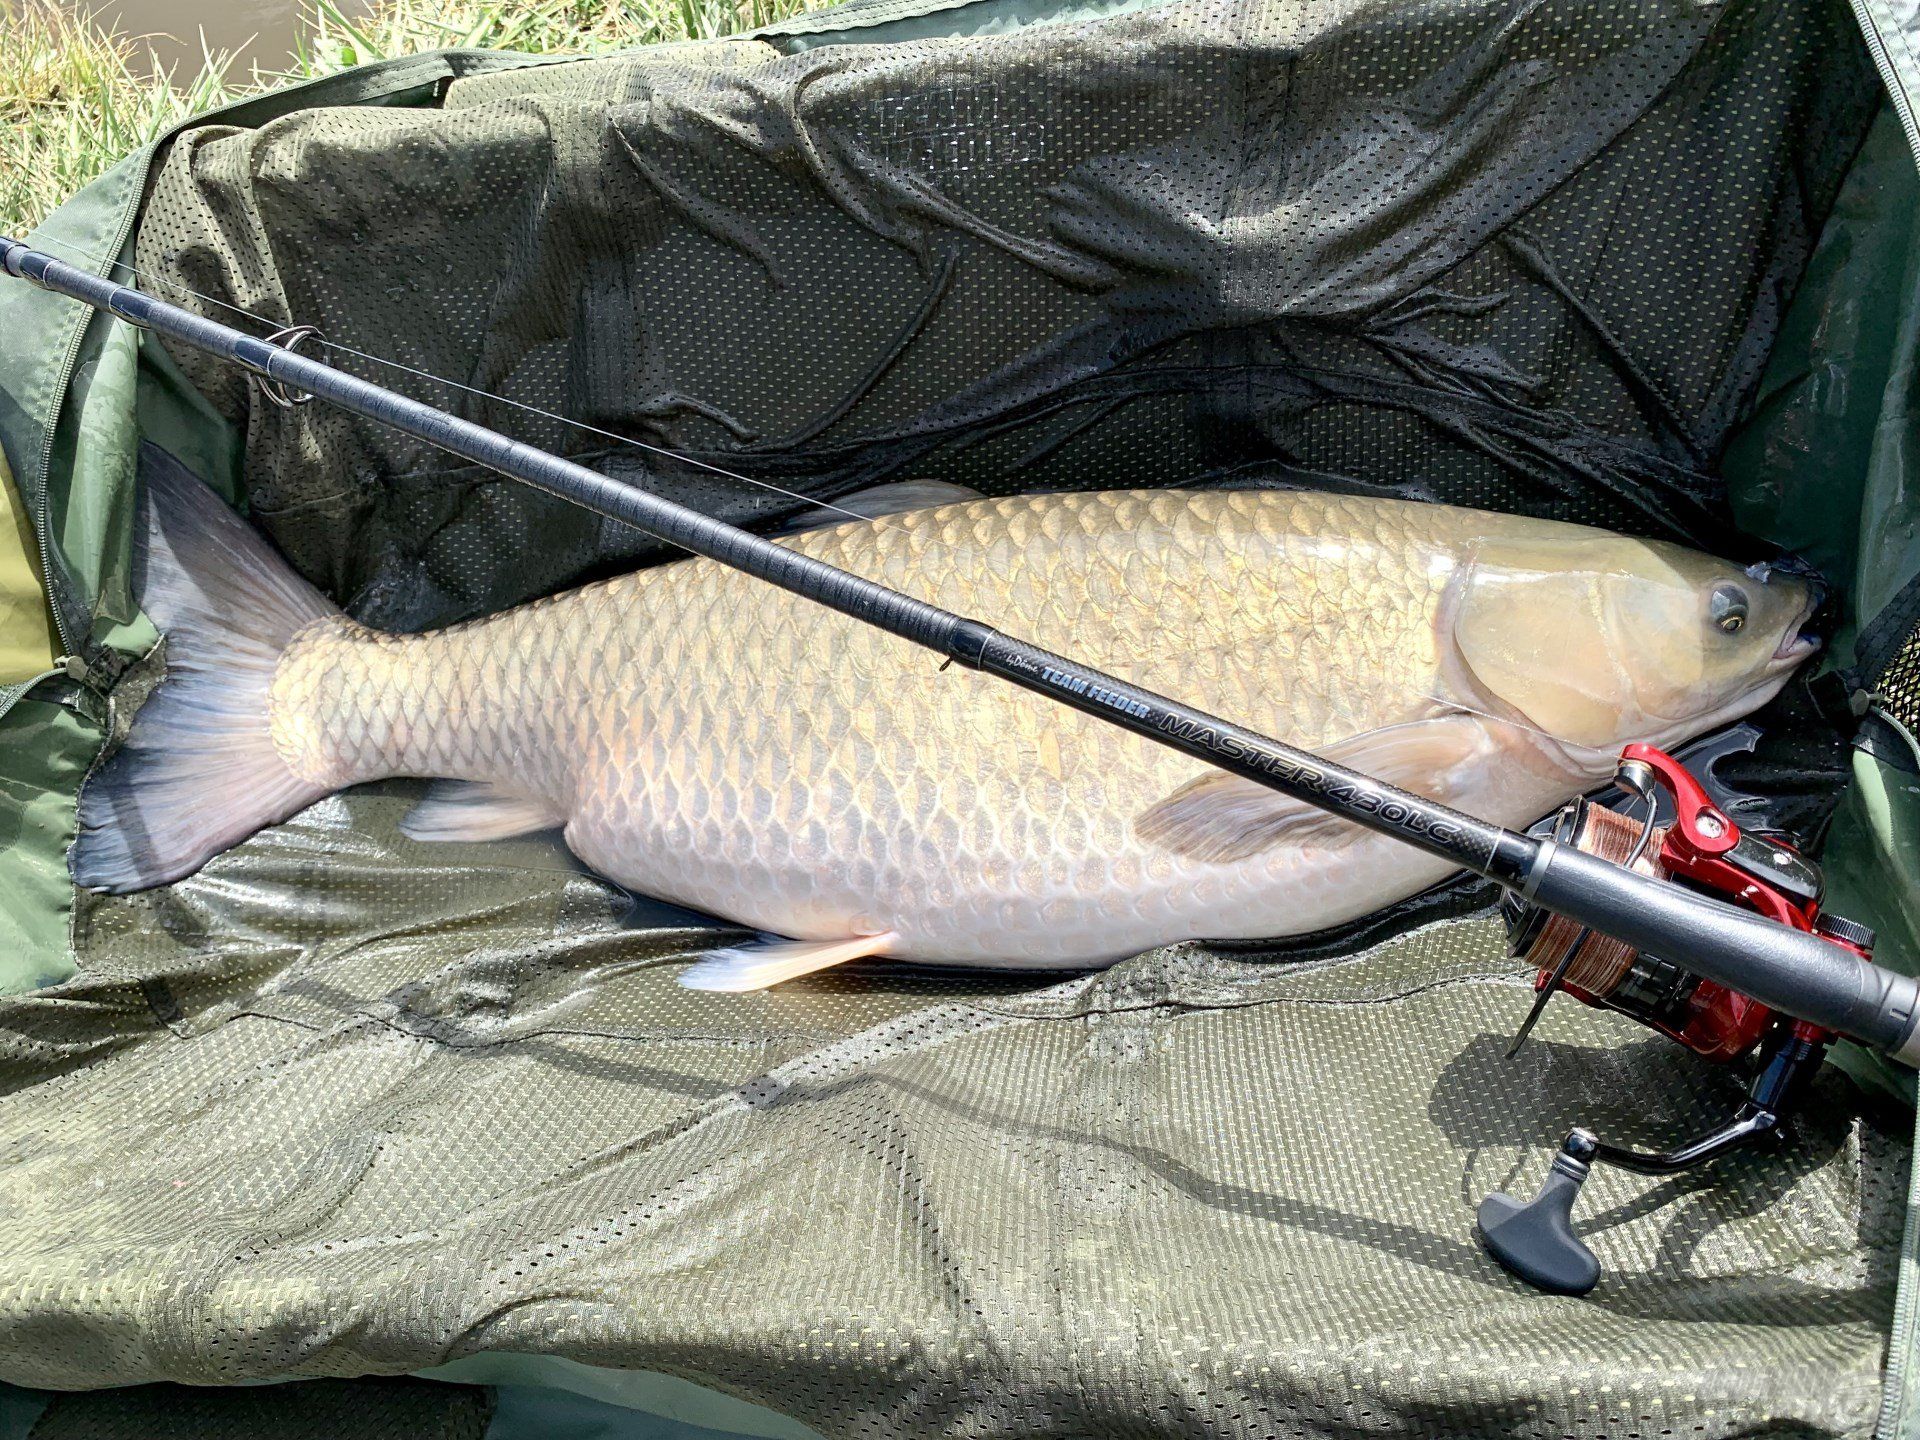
1767,953
1792,971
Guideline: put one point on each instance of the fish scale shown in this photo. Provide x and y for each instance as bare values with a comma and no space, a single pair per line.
720,743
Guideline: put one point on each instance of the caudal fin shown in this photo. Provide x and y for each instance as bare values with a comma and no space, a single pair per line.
198,772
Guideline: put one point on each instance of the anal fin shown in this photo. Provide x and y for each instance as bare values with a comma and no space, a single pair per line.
771,959
476,810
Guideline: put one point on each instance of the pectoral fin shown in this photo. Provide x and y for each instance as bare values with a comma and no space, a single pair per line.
474,810
1220,818
770,960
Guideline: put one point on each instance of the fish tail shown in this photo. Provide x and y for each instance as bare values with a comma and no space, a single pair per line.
199,770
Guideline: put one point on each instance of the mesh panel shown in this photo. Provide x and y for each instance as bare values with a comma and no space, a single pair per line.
1899,686
1889,651
1529,261
322,1111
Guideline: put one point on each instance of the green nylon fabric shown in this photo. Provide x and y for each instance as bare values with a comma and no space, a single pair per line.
1824,463
45,748
343,1105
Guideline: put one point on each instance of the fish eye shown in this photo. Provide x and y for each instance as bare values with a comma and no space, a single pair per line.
1728,608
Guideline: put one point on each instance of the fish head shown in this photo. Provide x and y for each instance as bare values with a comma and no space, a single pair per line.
1598,640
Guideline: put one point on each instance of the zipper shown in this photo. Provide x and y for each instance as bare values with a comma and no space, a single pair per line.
93,682
12,695
1890,77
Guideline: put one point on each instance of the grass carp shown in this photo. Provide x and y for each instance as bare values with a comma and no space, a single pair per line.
708,739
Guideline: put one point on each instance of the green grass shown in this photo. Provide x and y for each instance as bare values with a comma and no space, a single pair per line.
75,97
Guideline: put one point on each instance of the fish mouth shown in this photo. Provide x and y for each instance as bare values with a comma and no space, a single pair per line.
1801,638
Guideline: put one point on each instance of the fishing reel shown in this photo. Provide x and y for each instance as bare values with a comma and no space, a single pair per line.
1670,830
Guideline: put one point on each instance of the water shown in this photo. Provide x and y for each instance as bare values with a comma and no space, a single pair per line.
260,31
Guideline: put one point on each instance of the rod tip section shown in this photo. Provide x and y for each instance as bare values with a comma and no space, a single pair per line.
12,252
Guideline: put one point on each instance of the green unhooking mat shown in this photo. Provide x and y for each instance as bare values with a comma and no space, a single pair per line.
347,1105
390,1124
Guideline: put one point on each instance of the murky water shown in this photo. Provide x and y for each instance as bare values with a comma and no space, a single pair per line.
261,32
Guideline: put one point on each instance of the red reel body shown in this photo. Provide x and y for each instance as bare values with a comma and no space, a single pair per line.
1701,847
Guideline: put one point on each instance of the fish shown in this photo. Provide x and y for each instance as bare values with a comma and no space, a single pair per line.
710,740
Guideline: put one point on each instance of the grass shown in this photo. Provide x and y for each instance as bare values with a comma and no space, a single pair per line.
76,96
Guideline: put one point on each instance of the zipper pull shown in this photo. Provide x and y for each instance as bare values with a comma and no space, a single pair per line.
95,680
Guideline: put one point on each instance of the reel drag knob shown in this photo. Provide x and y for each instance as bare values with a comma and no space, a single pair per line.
1535,1239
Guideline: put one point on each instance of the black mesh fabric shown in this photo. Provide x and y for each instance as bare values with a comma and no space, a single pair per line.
1525,258
1899,686
1889,653
311,1410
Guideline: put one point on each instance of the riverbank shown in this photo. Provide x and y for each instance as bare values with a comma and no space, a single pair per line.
75,96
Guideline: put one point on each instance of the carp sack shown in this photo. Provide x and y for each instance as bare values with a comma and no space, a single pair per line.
711,740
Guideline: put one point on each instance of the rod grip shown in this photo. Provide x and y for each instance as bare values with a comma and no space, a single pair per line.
1785,969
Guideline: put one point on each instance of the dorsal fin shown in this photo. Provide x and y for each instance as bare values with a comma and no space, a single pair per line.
894,498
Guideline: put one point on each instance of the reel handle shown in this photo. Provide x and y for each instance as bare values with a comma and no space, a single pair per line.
1786,969
1535,1238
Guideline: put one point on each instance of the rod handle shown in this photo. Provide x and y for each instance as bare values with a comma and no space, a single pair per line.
1783,968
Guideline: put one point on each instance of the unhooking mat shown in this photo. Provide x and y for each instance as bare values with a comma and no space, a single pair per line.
343,1105
337,1125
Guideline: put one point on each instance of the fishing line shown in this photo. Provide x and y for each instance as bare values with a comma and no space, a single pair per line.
1139,664
335,345
881,521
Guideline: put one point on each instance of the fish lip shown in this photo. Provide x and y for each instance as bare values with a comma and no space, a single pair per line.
1796,644
1796,647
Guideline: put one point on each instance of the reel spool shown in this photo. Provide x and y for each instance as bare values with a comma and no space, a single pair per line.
1699,846
1596,969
